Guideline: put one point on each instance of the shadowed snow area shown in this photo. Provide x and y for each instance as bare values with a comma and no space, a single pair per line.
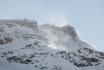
26,45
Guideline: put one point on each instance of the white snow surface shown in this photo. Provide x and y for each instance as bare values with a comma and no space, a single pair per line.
45,47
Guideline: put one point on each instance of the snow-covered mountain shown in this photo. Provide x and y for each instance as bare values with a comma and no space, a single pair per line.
25,45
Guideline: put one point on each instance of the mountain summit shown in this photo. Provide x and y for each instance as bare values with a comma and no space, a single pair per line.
25,45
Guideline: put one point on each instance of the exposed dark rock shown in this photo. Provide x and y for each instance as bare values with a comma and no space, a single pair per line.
19,60
5,39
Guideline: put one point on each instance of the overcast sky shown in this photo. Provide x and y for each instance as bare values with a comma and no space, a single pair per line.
86,15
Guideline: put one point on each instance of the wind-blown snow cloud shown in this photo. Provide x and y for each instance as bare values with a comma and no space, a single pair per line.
57,20
54,18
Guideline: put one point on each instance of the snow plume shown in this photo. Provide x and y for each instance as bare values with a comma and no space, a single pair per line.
59,37
57,20
54,18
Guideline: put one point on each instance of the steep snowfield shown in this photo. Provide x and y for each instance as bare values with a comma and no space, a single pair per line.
25,45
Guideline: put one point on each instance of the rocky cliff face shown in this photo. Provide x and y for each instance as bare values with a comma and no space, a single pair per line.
29,46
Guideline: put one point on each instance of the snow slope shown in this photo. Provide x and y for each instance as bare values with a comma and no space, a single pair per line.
25,45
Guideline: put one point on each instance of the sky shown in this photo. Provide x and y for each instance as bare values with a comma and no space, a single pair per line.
87,16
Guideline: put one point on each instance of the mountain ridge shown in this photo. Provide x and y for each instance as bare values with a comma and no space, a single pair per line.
26,45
